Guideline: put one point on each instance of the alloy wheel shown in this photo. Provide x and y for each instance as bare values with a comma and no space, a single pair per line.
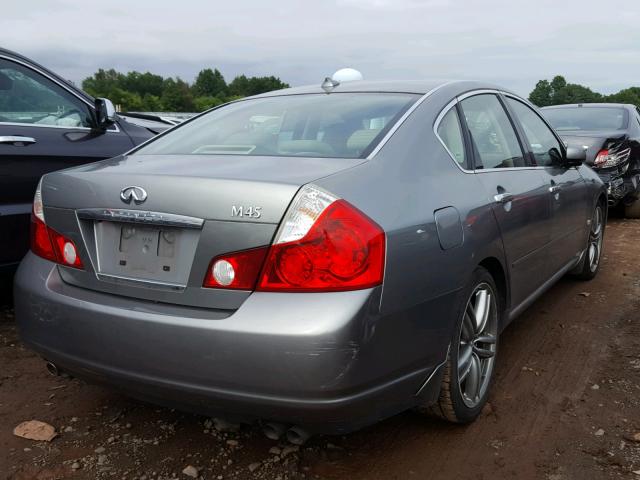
477,344
595,239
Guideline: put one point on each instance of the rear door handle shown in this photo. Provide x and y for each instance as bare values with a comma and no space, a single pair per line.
12,139
555,188
504,197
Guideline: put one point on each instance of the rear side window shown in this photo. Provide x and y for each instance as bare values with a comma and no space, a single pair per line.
450,134
340,125
544,145
494,141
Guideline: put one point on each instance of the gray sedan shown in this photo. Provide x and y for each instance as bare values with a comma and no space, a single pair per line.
321,258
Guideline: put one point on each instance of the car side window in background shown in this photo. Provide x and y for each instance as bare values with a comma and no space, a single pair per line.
544,145
494,140
450,133
30,98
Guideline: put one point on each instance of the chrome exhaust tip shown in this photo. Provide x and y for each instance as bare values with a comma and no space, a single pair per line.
53,369
273,431
297,436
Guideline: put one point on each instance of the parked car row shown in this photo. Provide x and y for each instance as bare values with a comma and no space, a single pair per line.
320,257
610,133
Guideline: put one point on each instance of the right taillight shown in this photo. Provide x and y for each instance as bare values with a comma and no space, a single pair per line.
49,244
611,157
324,244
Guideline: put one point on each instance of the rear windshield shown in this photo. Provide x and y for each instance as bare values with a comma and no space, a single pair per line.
341,125
587,118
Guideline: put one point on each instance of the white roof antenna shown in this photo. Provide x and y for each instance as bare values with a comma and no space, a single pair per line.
341,76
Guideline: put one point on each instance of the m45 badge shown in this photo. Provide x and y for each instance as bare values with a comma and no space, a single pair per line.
246,212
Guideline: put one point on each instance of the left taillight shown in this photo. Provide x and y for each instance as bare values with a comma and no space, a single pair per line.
46,242
324,244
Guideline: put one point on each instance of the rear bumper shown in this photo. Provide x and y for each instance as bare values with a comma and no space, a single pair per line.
295,358
620,186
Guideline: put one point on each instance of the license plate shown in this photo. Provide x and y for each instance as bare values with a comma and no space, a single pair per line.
135,251
145,241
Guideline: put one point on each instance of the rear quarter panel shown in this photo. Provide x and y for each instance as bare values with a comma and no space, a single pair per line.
400,188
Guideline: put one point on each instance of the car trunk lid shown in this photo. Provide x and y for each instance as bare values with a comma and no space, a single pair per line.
196,208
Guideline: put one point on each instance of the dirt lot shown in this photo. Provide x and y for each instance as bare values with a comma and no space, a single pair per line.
566,405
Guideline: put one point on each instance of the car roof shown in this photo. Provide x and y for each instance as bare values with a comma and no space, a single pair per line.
590,105
419,87
22,59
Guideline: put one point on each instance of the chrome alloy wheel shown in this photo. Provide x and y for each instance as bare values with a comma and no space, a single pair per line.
594,247
477,344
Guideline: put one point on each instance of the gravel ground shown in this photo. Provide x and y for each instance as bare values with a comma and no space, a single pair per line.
565,405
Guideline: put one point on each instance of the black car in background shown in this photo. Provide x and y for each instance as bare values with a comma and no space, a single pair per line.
610,133
47,124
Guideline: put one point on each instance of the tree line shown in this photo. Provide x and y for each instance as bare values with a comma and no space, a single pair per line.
559,92
148,92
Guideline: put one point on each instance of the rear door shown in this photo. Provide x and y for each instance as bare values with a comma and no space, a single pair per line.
43,127
521,204
567,192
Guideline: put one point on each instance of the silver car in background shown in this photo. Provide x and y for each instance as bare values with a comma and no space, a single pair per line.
319,257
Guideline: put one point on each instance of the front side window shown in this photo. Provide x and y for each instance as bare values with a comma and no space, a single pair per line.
587,118
30,98
450,133
339,125
494,140
544,145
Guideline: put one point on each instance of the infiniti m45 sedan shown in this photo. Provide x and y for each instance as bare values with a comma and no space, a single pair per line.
321,258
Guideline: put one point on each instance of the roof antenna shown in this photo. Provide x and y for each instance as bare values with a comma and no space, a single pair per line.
329,84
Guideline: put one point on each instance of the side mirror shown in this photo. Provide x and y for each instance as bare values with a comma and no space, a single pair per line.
575,156
105,113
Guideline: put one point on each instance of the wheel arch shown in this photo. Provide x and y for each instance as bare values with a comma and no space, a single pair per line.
497,271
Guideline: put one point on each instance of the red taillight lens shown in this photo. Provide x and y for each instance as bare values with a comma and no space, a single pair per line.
236,271
40,242
49,244
343,250
602,157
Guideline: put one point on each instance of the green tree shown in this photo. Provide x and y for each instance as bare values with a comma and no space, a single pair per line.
239,86
559,92
245,86
541,95
102,83
176,96
210,83
628,95
143,83
205,103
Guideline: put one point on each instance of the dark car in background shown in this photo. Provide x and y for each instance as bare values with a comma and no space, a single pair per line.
610,133
47,124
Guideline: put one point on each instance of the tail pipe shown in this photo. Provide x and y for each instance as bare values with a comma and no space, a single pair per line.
53,369
274,431
297,436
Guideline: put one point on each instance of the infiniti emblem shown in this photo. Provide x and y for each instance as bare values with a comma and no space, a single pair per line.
137,194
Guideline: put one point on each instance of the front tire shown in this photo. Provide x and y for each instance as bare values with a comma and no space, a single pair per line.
468,371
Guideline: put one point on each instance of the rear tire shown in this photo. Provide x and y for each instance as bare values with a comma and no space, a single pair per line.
468,371
589,265
633,210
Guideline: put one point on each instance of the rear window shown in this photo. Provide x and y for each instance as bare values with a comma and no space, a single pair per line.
587,118
340,125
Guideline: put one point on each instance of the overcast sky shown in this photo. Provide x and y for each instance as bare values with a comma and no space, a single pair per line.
513,43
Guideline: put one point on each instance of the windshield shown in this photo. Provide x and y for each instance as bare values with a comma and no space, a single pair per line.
340,125
587,118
